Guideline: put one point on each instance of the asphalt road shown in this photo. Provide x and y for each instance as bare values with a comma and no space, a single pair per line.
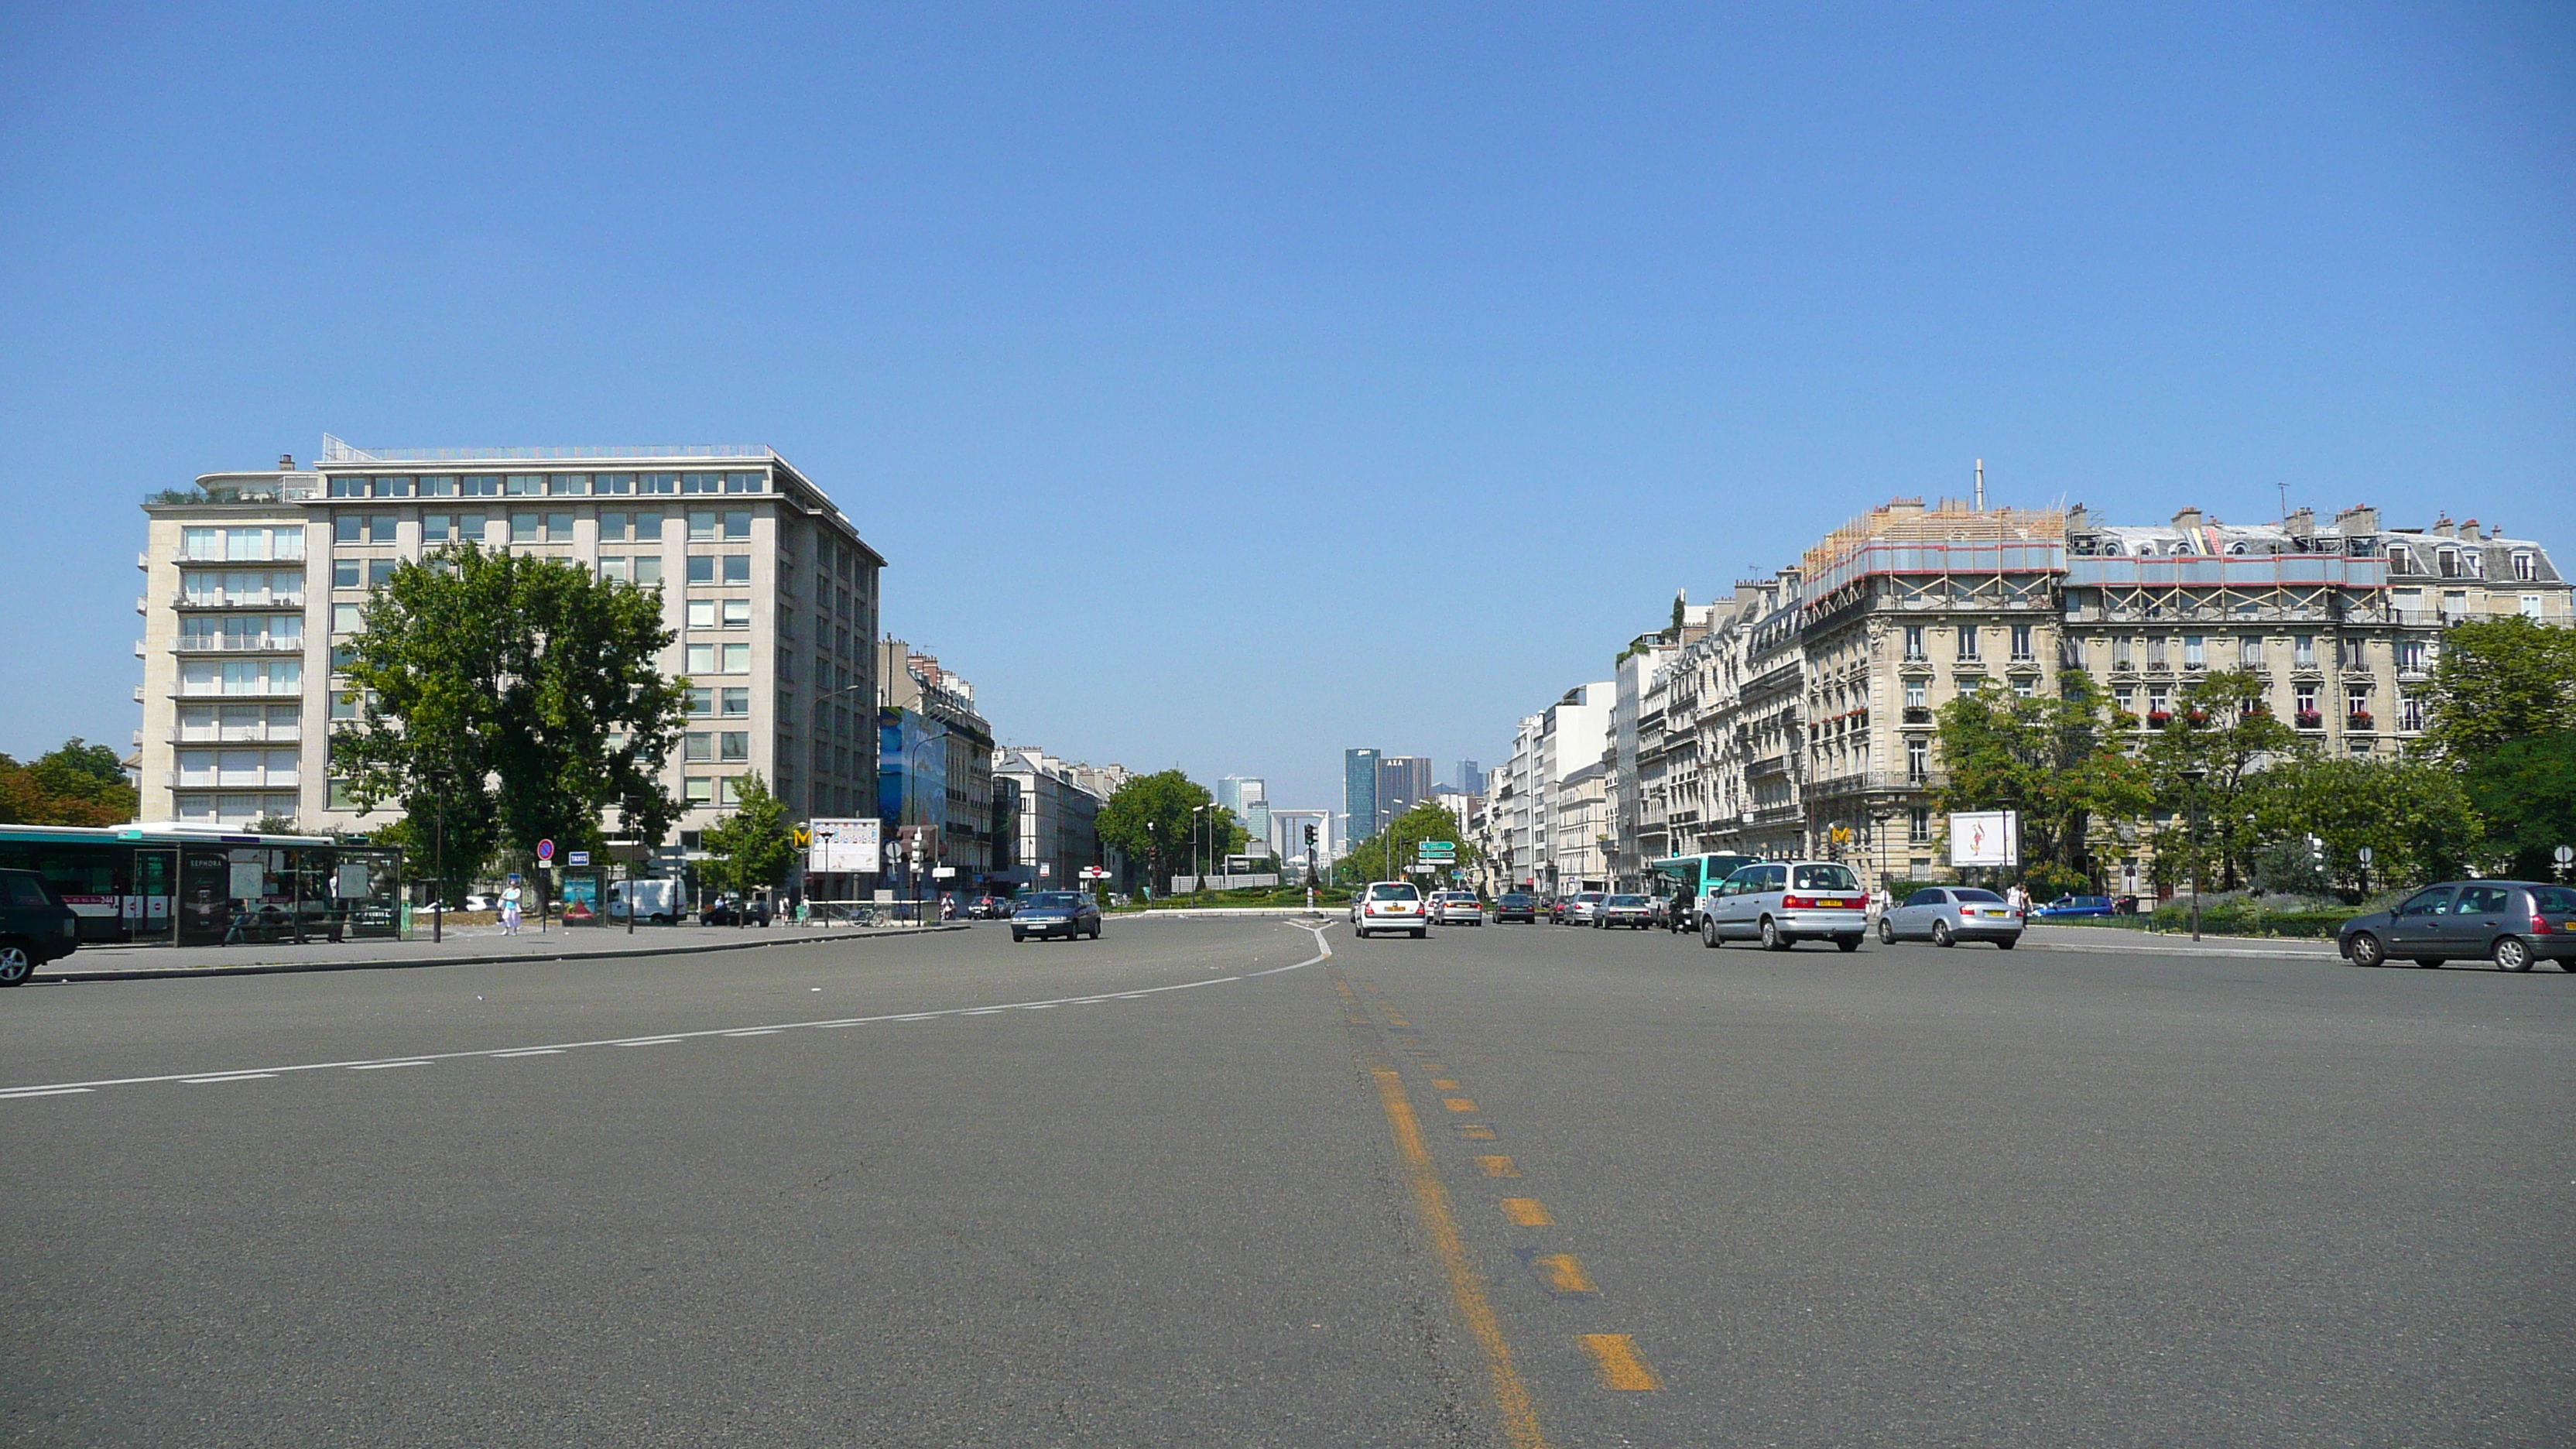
1504,1186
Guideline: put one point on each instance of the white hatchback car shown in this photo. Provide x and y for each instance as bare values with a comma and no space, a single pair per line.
1779,903
1393,905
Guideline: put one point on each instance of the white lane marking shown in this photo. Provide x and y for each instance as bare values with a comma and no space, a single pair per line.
1323,951
756,1031
387,1066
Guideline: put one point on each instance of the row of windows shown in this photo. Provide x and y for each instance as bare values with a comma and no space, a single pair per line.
558,485
240,544
730,745
254,722
241,676
241,588
241,631
1970,646
612,525
706,659
702,568
208,769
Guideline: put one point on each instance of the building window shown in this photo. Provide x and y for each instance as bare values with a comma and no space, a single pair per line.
2304,649
2249,653
2025,686
1967,643
737,613
657,482
1917,694
734,745
737,702
648,568
2410,711
701,482
737,658
702,568
569,485
737,568
1918,759
380,571
697,745
2410,656
2522,565
2193,656
2126,699
612,483
526,527
524,485
613,570
701,659
1918,825
437,487
648,524
737,523
433,528
702,527
478,487
2021,649
702,614
2156,653
728,791
702,702
2531,606
347,528
743,483
1914,641
2401,560
347,618
698,790
2121,658
2449,559
612,527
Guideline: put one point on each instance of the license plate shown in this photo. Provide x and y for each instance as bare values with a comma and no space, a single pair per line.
1990,913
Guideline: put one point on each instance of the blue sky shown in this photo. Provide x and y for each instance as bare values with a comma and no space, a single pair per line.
1229,387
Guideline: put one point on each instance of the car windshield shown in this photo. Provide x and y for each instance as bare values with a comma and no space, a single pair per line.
1627,900
1049,901
1987,897
1827,878
1394,893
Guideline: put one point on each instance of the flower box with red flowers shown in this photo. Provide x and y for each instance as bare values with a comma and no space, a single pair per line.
2158,718
2358,720
2310,719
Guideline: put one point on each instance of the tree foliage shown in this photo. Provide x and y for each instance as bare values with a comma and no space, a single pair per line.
1151,819
77,783
2526,789
2498,681
2201,766
2412,815
1384,856
507,699
755,846
2057,760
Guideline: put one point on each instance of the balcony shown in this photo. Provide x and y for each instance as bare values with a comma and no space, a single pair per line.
280,601
2358,722
1863,781
238,644
1918,714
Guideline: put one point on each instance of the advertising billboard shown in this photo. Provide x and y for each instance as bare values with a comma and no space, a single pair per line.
1985,837
843,847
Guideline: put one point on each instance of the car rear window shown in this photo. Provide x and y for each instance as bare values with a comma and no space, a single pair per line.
2553,899
1394,893
1516,900
1827,878
1627,900
27,890
1983,897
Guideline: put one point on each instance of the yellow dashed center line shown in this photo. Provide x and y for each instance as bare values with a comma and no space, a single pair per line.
1498,1167
1446,1084
1459,1104
1617,1363
1564,1274
1527,1212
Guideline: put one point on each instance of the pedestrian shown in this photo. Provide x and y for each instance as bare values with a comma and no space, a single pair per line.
2017,898
510,909
1879,901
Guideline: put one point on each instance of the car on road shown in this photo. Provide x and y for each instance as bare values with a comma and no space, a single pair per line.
1070,914
1456,908
1947,915
2071,908
729,911
2510,922
35,925
1515,906
1780,903
1632,913
1579,908
988,908
1393,905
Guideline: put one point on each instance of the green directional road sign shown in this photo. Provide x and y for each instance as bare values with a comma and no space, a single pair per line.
1436,850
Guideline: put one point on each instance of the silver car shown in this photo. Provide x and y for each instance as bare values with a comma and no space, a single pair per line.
1780,903
1947,915
1456,908
1583,907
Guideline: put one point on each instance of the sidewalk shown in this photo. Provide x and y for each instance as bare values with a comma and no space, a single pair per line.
465,946
2164,943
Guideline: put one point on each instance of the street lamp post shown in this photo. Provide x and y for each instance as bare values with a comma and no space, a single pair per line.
1198,880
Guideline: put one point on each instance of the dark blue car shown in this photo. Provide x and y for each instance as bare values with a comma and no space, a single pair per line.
2069,907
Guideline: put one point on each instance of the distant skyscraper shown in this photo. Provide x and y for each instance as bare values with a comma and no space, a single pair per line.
1471,778
1359,793
1403,781
1239,793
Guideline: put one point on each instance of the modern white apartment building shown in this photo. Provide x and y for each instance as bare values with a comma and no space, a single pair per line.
768,589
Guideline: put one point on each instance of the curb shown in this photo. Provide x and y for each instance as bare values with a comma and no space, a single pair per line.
2228,947
290,968
1220,912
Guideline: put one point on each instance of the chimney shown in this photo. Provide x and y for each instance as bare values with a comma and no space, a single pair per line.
2187,518
2443,527
2358,519
286,462
1904,507
2301,523
1981,485
2469,531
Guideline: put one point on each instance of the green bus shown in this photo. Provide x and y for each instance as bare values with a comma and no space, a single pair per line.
178,885
1683,879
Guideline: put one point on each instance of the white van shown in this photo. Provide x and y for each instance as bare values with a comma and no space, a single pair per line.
658,901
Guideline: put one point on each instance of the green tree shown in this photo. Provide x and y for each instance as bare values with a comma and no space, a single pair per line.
1385,855
2056,759
2201,767
76,783
2526,790
755,846
506,699
2413,816
1150,819
2500,680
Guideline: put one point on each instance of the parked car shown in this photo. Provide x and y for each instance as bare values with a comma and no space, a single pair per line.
730,911
2510,922
1947,915
1515,906
658,900
1394,905
1456,908
1070,914
1630,913
35,925
1581,907
1780,903
2068,908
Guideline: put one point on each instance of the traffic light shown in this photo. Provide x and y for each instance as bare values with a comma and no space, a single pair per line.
2317,854
1310,835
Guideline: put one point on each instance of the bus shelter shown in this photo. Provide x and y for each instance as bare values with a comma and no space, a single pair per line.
185,887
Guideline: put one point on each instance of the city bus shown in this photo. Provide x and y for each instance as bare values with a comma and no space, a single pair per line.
1689,877
183,885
